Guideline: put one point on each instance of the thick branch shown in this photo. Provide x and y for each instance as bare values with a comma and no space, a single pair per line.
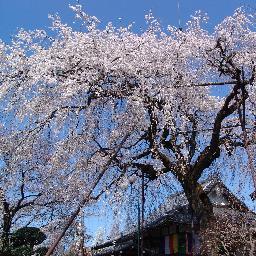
212,151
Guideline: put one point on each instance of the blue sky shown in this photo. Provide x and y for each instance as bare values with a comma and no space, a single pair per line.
31,14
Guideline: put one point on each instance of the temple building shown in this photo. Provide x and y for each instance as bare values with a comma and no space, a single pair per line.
173,230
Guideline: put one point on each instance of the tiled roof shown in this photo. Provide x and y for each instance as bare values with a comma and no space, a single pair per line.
175,209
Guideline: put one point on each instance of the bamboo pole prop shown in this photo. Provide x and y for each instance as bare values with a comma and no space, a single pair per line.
85,200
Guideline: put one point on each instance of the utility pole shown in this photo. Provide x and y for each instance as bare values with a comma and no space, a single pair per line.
138,227
142,211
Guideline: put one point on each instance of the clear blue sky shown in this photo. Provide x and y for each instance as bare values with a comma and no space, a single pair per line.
31,14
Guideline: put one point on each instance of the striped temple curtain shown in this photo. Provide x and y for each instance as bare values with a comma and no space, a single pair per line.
178,244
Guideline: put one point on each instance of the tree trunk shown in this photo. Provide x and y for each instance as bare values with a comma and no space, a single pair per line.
7,222
202,209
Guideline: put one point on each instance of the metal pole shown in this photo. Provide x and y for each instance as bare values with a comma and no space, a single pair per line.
193,232
138,227
142,211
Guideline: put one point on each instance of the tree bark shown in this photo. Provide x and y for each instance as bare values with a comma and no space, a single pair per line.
202,209
7,222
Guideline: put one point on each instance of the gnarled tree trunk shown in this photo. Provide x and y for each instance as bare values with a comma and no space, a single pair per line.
202,210
7,222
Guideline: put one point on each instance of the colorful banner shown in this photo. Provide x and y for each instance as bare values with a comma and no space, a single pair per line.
178,244
167,245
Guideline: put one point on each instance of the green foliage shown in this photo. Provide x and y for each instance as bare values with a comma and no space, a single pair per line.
22,243
29,236
22,250
41,251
